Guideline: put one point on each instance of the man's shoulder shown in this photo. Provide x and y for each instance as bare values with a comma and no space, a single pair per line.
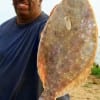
40,22
43,18
44,15
8,22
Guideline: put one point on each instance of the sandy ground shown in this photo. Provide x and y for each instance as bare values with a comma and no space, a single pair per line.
89,91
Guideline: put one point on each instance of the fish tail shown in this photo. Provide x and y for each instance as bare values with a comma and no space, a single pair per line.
47,96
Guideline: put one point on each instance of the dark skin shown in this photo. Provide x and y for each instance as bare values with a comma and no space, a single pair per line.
27,10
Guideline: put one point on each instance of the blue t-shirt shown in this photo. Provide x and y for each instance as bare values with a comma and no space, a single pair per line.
18,54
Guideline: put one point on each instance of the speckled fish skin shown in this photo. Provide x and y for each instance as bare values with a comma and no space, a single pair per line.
67,48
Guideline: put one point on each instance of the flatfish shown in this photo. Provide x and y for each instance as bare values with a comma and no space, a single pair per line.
67,48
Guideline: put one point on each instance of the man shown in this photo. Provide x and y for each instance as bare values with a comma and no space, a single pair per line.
19,39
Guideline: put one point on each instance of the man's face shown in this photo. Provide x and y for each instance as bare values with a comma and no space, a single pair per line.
26,8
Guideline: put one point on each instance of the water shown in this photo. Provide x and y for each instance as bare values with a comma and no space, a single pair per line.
97,60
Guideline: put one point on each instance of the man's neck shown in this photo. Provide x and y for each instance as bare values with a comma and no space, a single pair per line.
23,20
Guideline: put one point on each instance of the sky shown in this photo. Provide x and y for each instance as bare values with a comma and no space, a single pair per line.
7,11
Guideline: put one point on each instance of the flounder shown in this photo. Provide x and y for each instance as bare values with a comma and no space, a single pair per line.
67,48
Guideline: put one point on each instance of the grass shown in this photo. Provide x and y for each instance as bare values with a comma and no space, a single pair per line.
96,70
